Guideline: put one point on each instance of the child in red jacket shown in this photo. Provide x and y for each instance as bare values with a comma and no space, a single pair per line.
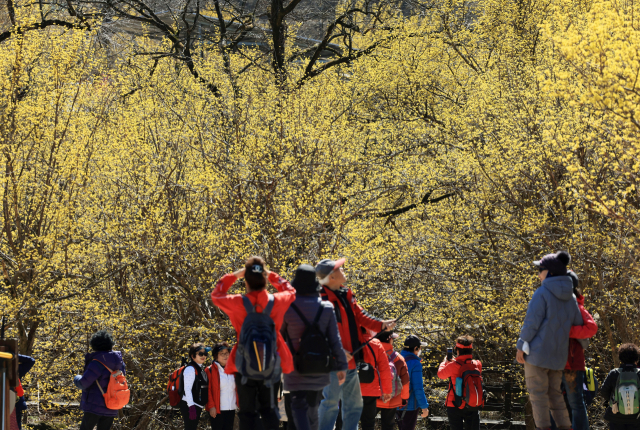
459,417
255,275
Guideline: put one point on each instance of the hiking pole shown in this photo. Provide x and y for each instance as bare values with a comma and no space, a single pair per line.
411,309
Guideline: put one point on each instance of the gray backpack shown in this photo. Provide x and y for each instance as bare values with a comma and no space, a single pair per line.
257,357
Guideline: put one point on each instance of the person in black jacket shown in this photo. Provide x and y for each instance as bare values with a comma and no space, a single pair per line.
629,354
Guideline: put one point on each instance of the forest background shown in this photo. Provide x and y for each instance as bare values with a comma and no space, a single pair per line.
440,146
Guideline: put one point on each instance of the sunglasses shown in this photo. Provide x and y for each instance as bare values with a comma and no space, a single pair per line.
202,354
541,269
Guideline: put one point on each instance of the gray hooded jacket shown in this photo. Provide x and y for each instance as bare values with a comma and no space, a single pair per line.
551,313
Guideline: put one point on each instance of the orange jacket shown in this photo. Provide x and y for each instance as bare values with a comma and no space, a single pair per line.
374,355
214,388
231,304
403,372
451,369
362,319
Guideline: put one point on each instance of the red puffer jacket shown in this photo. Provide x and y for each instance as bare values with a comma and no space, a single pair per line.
374,355
403,372
587,330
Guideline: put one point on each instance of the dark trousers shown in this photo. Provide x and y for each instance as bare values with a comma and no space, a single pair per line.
90,421
189,424
387,418
287,408
629,426
369,411
407,420
223,420
463,419
250,395
304,408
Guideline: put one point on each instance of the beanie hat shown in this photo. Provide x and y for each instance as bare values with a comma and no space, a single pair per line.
556,263
305,281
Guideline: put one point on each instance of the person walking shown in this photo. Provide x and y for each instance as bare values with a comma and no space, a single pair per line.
382,384
618,419
543,346
408,415
388,409
350,317
256,397
95,379
222,401
306,390
459,419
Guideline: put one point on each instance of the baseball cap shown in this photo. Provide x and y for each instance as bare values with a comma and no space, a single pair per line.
305,281
413,341
326,266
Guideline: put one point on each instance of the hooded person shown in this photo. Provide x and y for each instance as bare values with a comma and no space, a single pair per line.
306,390
543,346
96,378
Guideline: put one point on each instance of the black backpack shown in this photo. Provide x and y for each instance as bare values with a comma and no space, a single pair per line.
257,356
314,354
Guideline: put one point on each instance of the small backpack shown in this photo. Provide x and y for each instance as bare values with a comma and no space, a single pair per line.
118,393
314,353
173,387
626,394
396,381
590,386
469,391
257,357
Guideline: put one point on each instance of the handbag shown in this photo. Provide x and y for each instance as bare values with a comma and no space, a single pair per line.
366,372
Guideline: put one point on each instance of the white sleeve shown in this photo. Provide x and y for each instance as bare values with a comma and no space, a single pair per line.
189,376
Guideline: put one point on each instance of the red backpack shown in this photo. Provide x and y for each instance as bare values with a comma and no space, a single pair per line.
173,387
469,392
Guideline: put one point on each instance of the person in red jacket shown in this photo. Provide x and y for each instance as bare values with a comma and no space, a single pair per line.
459,419
350,317
255,392
574,372
388,409
380,387
222,401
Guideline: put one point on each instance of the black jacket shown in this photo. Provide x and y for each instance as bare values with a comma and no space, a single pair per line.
607,390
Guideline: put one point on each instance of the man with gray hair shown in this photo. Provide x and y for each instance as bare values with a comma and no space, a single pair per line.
350,317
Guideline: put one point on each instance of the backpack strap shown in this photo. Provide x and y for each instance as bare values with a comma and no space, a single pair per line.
302,317
316,320
110,373
267,309
250,308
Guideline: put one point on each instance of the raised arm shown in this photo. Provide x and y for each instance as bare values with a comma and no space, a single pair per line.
219,295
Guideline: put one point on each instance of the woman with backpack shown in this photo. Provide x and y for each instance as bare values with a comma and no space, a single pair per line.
401,378
461,415
256,381
378,385
311,330
408,414
222,401
194,386
98,366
